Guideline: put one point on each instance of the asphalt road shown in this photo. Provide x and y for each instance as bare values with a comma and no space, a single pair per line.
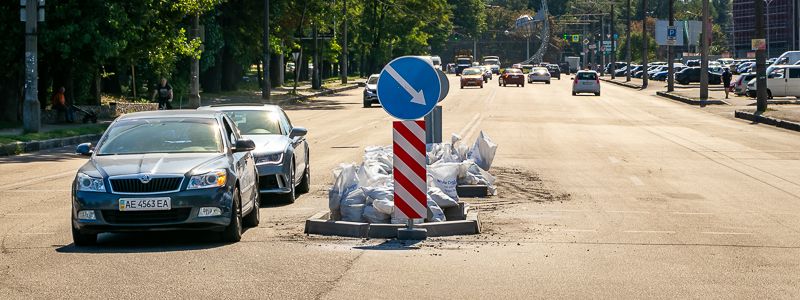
620,196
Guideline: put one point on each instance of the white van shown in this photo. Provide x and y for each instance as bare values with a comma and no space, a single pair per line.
782,81
788,58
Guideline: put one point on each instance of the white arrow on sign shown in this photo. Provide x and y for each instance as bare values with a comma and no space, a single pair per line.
417,97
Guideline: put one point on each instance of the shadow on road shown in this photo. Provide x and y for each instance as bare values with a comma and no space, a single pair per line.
146,242
392,245
50,155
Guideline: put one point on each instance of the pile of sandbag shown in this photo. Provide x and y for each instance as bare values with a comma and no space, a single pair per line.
365,192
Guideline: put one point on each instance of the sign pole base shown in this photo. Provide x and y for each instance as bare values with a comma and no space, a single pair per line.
412,234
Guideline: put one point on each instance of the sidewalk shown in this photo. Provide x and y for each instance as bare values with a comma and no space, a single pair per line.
282,94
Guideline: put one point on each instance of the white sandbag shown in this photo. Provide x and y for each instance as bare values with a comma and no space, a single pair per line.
399,218
353,212
470,174
372,215
357,196
384,206
440,198
436,214
378,193
445,177
483,151
381,157
344,181
372,174
433,153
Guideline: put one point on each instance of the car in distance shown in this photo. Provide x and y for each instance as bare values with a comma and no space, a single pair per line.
371,90
166,170
487,73
472,77
739,86
512,76
281,154
555,71
586,82
539,74
692,74
782,81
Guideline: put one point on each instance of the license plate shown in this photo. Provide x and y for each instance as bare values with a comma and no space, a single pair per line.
142,204
587,83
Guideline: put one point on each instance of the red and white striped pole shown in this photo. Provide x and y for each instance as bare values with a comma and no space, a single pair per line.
410,172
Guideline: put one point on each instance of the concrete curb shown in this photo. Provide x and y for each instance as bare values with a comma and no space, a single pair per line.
33,146
756,118
690,101
322,93
625,84
467,223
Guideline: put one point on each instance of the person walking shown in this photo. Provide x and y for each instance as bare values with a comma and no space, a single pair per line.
726,81
163,92
58,102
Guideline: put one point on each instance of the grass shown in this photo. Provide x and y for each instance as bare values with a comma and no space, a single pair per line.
60,133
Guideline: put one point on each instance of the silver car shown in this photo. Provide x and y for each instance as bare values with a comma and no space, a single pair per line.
586,82
281,153
371,90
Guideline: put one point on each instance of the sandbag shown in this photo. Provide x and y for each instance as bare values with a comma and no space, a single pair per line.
353,212
382,157
471,174
372,215
372,174
357,196
445,177
440,198
384,206
344,181
483,151
435,213
378,193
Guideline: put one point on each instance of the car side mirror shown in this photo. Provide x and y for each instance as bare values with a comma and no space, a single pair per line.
84,149
244,145
298,131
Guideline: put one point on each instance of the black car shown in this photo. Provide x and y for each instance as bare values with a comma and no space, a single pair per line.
564,68
692,74
555,71
613,68
166,170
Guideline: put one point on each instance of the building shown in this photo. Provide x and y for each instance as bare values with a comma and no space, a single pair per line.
781,21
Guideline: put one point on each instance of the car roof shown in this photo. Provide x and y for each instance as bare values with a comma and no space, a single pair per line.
240,106
178,113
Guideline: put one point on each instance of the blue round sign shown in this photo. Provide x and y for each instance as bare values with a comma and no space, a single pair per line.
408,87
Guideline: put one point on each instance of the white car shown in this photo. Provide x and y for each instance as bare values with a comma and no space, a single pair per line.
586,82
539,74
782,81
371,90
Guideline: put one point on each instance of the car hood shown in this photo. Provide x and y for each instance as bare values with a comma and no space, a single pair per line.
269,143
372,86
150,163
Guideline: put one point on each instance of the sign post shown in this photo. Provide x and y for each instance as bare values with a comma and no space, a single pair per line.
409,88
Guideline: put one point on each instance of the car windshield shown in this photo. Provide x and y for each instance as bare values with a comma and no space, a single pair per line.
174,135
256,121
586,76
540,70
372,80
491,62
513,71
472,71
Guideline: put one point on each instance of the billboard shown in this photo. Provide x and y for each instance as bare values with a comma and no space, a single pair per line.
687,31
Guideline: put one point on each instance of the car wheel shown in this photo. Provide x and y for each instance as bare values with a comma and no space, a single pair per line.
291,196
769,94
305,183
597,94
504,84
367,103
253,218
523,84
548,82
83,239
233,232
462,86
574,93
481,86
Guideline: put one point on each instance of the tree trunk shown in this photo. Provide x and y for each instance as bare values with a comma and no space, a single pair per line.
231,70
276,70
260,76
211,79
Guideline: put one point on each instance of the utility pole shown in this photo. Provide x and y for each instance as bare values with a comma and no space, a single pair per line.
31,112
266,87
315,82
194,70
704,53
761,60
343,63
671,51
645,44
613,44
628,43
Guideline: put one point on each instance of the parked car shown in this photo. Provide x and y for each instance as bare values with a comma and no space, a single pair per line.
782,81
692,74
512,76
371,90
472,77
586,82
612,68
281,153
693,63
662,76
554,70
166,170
539,74
740,84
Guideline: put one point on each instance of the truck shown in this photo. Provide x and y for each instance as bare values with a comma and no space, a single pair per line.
463,61
574,63
493,62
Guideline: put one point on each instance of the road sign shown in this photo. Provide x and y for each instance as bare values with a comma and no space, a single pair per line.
410,173
672,35
585,41
758,44
444,83
576,38
616,36
592,46
409,87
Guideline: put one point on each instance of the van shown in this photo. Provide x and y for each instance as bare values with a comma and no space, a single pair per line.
782,81
788,58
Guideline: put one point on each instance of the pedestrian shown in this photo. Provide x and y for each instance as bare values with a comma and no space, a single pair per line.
726,81
58,102
163,92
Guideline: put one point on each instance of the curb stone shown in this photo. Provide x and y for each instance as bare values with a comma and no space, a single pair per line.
690,101
625,84
757,118
33,146
322,93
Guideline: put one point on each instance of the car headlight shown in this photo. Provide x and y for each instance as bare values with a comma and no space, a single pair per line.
86,183
215,178
274,159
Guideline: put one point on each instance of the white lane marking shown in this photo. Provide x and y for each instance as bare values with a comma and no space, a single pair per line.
614,160
636,181
691,213
726,233
355,129
579,230
468,125
628,211
649,231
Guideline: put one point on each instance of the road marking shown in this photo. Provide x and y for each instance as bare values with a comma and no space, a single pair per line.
614,160
355,129
628,211
691,213
636,181
468,125
726,233
649,231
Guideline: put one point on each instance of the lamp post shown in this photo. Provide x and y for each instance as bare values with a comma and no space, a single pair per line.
31,12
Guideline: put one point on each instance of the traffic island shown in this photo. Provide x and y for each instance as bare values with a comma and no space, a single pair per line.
460,221
756,117
621,83
689,100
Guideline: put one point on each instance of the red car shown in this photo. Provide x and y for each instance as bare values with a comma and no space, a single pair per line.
512,76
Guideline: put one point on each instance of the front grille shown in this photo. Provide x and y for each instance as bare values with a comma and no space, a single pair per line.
268,182
146,217
134,185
